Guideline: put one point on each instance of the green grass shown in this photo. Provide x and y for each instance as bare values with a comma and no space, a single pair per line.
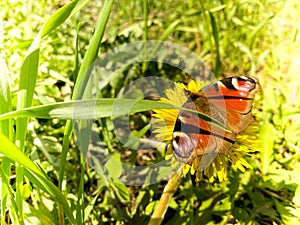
46,49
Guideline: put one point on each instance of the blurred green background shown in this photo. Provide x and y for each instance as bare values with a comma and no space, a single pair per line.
258,38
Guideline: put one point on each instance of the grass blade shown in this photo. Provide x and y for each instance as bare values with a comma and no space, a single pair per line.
28,76
215,33
101,108
80,86
8,149
61,15
91,54
6,127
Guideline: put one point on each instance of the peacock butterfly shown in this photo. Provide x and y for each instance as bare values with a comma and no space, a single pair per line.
229,101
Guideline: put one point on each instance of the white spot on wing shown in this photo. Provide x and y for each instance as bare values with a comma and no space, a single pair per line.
235,84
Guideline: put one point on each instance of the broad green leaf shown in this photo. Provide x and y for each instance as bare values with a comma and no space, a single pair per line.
114,166
150,207
240,214
89,208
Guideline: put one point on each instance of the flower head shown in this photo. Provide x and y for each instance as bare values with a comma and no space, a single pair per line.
163,125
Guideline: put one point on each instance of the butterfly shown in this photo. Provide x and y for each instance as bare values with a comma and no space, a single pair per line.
229,101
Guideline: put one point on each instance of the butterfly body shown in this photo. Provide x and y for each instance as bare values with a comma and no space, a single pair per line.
229,101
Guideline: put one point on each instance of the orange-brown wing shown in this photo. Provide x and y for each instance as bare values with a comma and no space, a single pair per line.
233,98
229,101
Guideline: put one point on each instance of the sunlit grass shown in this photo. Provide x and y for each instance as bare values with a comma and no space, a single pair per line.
232,37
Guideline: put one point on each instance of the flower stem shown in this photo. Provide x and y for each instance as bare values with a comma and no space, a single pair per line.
162,206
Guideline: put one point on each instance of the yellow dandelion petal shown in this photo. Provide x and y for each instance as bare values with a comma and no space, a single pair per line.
166,114
224,176
169,153
195,165
238,162
193,86
221,167
220,175
244,163
186,169
209,173
180,85
164,119
240,167
211,178
233,160
176,96
199,176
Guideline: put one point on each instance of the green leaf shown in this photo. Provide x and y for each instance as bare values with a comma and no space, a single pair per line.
296,198
93,109
28,76
8,149
121,191
91,54
29,68
35,175
61,15
5,94
240,213
215,33
6,127
288,214
81,91
45,184
114,166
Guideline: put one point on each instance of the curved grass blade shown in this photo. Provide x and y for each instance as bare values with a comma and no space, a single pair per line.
101,108
78,93
36,176
28,76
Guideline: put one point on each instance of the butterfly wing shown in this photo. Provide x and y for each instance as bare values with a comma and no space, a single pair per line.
228,101
233,97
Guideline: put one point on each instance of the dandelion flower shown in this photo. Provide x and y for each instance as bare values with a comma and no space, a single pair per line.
240,144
